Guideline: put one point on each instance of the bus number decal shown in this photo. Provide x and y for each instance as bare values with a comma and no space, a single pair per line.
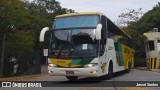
61,62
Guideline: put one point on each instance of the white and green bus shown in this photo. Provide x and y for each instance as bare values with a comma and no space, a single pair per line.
87,44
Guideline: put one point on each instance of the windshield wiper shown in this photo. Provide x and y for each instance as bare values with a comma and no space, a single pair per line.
62,47
73,45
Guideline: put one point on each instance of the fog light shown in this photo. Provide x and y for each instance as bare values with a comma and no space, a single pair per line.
93,72
49,71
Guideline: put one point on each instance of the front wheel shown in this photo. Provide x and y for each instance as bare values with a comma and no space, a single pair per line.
110,72
72,78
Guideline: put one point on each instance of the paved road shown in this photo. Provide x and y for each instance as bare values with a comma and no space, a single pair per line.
60,82
134,75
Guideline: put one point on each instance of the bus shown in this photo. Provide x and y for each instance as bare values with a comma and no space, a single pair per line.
87,44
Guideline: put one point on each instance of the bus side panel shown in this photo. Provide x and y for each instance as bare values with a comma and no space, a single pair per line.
114,55
119,55
128,56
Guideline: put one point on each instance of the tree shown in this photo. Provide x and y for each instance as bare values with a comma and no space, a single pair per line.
129,17
20,25
20,45
150,20
13,16
49,6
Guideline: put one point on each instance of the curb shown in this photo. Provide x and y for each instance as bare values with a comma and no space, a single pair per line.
155,70
22,78
152,70
141,68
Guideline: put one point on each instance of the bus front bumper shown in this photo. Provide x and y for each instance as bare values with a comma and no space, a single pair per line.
89,72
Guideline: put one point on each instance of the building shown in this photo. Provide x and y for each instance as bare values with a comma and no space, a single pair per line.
152,48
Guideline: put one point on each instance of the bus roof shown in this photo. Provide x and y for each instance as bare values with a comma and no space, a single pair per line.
77,14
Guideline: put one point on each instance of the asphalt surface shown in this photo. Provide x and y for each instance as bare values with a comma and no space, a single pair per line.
134,75
122,78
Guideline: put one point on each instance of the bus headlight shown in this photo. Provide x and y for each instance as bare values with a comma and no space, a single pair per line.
90,65
52,65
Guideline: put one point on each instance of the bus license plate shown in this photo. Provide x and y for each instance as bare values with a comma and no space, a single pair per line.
69,72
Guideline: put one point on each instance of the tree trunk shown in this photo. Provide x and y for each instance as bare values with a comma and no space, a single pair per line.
2,56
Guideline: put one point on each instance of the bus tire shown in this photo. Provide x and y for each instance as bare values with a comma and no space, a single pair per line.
72,78
129,67
110,71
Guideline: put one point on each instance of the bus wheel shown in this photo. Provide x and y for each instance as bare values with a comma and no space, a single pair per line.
72,78
129,67
110,71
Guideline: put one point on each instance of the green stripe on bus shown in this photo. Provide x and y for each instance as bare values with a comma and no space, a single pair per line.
120,53
75,61
82,61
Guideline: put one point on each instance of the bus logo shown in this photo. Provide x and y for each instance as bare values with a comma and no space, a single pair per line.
6,84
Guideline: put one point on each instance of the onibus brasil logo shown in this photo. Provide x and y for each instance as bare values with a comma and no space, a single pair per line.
21,84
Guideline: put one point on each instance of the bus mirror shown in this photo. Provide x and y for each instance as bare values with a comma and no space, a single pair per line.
44,30
98,31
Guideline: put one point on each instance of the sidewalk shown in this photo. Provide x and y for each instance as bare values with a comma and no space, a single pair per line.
24,78
145,68
28,77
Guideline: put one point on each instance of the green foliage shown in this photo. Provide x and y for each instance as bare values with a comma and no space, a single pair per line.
20,43
49,6
130,17
22,22
13,15
150,20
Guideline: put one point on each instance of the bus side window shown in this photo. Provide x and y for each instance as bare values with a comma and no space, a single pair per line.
104,35
111,29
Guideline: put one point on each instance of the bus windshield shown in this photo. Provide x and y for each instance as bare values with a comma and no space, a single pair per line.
74,43
76,21
74,37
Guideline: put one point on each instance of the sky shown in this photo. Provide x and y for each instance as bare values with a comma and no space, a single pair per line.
111,8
